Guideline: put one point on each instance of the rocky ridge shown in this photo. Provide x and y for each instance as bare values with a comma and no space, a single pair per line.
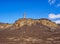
30,22
23,21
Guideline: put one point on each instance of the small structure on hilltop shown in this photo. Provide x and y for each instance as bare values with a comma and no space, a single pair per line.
21,22
24,15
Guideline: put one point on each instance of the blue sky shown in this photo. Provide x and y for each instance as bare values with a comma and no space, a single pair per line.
11,10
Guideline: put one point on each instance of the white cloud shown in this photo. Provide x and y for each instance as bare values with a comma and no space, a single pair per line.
57,21
54,2
53,16
58,5
51,1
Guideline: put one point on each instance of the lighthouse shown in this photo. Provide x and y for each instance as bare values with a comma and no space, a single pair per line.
24,16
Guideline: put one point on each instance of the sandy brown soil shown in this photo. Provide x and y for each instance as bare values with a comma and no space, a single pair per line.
35,34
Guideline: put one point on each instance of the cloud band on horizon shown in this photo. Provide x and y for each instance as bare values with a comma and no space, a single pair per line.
55,16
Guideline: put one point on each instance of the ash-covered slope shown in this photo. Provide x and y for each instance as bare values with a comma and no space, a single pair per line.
31,32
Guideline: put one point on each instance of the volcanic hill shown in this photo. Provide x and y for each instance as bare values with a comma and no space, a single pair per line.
30,31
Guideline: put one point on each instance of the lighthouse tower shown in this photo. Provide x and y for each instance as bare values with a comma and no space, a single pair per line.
24,16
